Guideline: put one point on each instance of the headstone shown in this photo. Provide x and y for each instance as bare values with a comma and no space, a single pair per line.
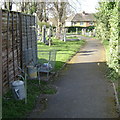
54,32
38,33
50,35
66,30
94,32
76,30
90,33
64,35
44,34
85,32
82,31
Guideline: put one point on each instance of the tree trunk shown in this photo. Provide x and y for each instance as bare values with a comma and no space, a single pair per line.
59,28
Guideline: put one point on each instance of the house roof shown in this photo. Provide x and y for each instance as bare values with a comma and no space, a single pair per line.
53,20
70,18
82,17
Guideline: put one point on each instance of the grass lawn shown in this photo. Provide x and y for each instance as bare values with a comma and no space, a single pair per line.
73,37
18,109
64,50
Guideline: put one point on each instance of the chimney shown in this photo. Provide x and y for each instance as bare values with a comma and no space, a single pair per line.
83,13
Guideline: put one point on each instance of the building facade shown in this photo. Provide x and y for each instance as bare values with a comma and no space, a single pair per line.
81,20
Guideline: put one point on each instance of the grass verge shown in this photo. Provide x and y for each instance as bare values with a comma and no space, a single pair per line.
17,108
64,50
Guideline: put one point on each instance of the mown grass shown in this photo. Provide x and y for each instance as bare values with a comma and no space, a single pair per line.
18,109
64,50
72,37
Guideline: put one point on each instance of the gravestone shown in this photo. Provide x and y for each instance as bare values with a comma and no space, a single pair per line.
94,32
44,34
85,32
82,31
64,35
90,33
54,32
50,35
76,30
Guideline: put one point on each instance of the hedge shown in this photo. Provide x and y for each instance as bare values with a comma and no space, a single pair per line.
108,30
73,28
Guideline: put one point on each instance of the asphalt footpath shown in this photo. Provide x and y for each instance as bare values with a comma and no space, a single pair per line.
83,89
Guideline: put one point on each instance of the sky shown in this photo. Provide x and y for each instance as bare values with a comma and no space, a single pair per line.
81,5
84,5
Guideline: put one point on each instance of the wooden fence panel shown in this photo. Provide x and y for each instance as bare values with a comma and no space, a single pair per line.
18,34
10,47
29,40
0,64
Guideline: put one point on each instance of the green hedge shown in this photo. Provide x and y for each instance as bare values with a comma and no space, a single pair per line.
108,27
113,44
73,28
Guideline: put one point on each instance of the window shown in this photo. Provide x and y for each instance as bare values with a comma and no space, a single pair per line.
81,23
74,23
91,23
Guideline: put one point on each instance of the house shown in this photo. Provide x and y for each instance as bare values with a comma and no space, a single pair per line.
81,20
52,21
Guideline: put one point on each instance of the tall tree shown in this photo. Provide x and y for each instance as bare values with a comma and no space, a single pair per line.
42,12
8,5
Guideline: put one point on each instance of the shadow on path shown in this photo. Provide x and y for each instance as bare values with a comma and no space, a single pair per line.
83,90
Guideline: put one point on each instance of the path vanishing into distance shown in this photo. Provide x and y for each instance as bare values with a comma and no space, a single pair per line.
83,89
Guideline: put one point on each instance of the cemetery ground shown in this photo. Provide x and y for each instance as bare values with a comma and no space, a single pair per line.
18,109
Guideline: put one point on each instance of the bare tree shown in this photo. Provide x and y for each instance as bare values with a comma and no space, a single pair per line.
42,12
59,11
8,5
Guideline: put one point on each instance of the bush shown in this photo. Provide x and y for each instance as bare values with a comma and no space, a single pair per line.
113,44
44,23
107,28
73,28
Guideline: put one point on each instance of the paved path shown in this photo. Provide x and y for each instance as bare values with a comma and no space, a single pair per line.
83,90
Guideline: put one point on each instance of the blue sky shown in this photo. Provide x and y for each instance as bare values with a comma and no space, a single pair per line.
84,5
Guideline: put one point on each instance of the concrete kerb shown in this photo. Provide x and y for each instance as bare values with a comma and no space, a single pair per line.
116,98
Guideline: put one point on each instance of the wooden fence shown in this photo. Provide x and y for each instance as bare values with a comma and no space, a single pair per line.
29,39
0,64
18,34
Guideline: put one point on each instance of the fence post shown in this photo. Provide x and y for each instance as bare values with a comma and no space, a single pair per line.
20,30
0,64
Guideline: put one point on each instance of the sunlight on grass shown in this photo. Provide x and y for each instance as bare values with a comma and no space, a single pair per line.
17,108
64,50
